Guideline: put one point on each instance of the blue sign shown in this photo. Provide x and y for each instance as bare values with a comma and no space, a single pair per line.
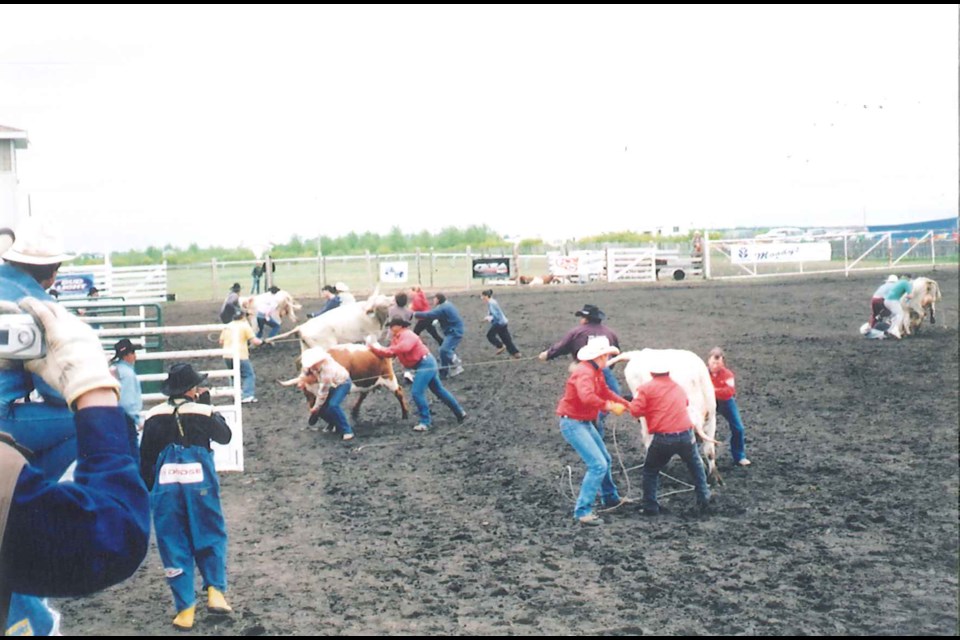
74,284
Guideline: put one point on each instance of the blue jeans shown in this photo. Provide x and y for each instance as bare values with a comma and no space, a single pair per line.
332,412
426,376
614,386
447,349
248,379
662,449
262,321
728,409
586,441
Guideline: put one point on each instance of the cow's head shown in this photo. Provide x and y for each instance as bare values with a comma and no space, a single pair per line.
377,307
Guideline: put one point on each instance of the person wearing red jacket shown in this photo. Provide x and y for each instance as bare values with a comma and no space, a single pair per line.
664,405
419,303
585,395
406,347
723,386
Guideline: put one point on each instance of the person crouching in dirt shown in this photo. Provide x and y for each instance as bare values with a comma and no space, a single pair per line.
177,465
330,382
585,395
664,404
407,347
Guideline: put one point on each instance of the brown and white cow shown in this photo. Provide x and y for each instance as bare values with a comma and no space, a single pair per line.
367,372
923,299
691,373
538,280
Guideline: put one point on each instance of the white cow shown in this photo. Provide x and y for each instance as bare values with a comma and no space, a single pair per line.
347,323
923,298
691,373
286,307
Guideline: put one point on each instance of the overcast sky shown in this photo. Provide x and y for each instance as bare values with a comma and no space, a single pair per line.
228,125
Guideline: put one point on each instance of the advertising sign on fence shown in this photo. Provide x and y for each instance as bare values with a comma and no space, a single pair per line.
491,267
74,285
781,252
394,272
581,264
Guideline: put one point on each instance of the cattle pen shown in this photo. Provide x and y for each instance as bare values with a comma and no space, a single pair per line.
845,524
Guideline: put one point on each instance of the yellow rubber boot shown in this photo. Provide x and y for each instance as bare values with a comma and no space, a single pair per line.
216,603
184,619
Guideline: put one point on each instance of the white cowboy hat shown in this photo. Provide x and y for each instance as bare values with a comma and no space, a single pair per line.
892,278
597,347
313,356
658,363
341,286
38,242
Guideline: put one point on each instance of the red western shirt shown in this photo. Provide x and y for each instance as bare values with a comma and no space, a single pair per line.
723,383
586,393
406,346
664,404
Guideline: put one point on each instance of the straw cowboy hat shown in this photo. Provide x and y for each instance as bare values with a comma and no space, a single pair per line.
596,347
313,356
38,242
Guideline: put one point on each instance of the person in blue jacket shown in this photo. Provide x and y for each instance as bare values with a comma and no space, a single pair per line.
69,539
45,428
177,465
451,324
499,333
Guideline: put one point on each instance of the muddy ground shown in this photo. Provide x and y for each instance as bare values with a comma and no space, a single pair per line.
845,524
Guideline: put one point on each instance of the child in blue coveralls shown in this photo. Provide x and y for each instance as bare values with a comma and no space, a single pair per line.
177,465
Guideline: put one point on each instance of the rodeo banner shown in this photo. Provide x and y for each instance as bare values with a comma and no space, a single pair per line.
491,267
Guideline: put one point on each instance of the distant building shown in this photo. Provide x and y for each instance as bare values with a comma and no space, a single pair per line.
941,227
10,140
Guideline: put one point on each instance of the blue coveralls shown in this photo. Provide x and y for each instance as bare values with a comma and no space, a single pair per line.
189,523
185,499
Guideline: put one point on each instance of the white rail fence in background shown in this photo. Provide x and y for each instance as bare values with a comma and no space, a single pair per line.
228,457
144,283
844,253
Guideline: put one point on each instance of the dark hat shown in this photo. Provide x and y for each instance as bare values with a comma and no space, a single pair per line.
397,322
235,287
181,378
122,348
590,312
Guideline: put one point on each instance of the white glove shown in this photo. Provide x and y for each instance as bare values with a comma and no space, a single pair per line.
75,363
370,340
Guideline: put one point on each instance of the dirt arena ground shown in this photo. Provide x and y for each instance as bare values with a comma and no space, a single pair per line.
846,524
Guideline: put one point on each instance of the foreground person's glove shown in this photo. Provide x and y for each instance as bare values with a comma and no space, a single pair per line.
74,363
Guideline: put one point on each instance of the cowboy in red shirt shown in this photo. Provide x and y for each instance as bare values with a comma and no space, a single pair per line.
585,395
664,405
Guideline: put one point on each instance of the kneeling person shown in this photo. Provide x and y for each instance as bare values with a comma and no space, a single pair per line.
330,382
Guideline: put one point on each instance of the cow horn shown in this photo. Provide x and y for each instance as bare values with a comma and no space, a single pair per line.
288,383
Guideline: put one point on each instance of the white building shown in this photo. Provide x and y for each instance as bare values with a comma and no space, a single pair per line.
10,140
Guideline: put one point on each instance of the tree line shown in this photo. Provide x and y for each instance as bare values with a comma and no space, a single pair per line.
479,238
